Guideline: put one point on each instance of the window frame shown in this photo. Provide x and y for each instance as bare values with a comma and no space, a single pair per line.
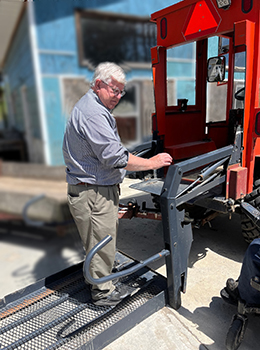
108,16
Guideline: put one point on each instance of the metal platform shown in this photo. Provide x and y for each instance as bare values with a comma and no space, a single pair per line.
57,312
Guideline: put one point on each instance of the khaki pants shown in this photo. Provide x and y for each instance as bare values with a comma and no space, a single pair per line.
95,212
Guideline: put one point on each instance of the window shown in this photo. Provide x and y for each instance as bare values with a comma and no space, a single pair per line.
217,92
181,69
115,38
239,78
127,114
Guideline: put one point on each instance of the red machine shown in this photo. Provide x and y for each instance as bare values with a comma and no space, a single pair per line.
219,105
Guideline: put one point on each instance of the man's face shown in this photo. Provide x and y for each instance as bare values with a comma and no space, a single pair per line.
109,93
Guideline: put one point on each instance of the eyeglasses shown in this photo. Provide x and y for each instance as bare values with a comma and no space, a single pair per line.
115,90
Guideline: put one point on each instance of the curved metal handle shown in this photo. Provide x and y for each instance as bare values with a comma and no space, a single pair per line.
119,274
25,210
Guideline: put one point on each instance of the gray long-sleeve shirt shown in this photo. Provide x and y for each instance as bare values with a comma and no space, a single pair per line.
92,149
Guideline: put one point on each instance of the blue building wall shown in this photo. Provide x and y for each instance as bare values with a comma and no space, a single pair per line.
19,72
58,52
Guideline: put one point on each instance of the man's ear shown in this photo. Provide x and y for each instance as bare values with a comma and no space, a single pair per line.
97,86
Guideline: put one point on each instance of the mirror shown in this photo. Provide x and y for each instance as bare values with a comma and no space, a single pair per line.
240,94
216,69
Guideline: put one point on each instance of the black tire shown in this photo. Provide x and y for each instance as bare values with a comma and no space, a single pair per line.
235,334
249,230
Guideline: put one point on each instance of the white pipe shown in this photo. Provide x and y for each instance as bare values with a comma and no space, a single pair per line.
38,80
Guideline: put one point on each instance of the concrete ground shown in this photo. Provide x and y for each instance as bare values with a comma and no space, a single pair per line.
203,319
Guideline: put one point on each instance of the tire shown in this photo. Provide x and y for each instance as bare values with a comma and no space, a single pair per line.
249,230
235,334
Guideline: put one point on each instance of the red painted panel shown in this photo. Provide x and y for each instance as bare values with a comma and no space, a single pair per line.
237,182
190,149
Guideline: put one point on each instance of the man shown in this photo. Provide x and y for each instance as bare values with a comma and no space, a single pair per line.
242,289
96,164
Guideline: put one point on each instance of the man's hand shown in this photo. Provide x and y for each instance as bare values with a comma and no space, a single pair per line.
143,164
160,160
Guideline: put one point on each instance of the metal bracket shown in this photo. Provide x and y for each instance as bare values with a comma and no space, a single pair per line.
251,212
178,235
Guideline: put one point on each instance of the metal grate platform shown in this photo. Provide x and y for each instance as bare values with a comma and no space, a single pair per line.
57,313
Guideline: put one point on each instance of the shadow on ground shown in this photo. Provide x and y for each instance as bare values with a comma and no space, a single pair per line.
141,238
218,317
31,256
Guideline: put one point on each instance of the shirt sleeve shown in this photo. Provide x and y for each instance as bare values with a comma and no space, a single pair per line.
105,142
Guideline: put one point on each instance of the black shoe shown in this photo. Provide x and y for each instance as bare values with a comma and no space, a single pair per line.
118,294
230,293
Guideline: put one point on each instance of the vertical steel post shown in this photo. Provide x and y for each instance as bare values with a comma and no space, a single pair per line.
177,237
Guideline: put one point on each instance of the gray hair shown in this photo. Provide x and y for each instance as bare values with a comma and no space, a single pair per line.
106,70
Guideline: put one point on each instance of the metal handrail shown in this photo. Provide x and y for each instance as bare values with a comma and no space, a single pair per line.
119,274
26,208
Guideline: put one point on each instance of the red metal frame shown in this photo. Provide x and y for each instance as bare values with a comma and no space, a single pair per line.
193,20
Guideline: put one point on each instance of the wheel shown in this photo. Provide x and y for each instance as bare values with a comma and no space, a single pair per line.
236,332
249,230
